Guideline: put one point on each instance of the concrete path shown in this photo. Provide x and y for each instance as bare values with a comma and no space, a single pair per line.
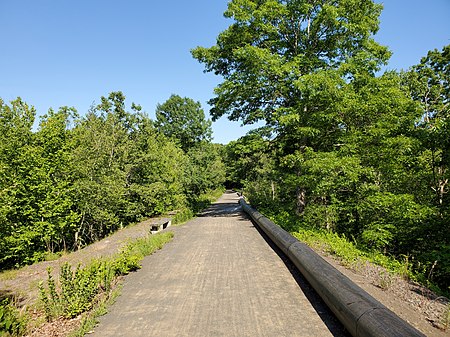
219,277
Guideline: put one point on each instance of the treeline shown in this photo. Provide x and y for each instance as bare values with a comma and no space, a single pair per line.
345,148
78,178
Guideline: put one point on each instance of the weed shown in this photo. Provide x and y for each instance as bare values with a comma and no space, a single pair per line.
51,256
182,216
349,253
91,319
81,289
196,205
384,280
8,274
12,322
446,317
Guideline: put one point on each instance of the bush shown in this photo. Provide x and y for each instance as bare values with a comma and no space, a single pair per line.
78,290
12,322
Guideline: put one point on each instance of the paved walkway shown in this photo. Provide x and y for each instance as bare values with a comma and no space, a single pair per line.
218,277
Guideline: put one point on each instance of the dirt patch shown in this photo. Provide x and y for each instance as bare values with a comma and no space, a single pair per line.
414,303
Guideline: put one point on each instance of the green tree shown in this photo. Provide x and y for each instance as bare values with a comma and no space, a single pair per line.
156,183
287,62
101,164
250,166
17,159
53,189
272,44
183,120
429,86
206,170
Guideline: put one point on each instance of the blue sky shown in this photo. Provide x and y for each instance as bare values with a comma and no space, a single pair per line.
61,52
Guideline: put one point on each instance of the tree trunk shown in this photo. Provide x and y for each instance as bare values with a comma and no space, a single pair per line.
300,200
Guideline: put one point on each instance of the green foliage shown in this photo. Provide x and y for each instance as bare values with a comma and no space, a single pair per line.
77,179
183,120
182,216
247,159
205,170
348,251
387,217
81,289
271,44
12,322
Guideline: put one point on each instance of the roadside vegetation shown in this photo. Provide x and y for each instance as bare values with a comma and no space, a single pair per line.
73,297
88,288
85,290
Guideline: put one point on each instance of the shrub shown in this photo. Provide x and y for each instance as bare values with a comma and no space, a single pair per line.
78,290
12,322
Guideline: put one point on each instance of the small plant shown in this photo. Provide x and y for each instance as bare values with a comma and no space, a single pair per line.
79,290
12,322
446,318
385,280
182,216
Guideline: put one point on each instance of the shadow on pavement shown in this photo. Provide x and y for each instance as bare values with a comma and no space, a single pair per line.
222,210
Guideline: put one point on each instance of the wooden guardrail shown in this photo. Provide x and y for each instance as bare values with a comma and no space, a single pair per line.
360,313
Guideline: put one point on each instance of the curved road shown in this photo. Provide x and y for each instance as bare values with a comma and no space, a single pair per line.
218,277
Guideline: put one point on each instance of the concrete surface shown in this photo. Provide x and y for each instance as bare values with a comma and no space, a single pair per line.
218,277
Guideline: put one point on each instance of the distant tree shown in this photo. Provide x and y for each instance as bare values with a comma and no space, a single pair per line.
206,170
183,119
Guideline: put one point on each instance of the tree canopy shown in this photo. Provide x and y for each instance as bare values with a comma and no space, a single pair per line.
272,44
183,120
76,179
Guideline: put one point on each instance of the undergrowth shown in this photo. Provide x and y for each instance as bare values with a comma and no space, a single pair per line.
351,254
12,321
196,205
88,287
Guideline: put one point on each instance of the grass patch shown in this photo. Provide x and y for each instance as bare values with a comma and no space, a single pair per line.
351,255
8,274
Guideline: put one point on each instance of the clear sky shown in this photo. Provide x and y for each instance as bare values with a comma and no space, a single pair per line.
60,52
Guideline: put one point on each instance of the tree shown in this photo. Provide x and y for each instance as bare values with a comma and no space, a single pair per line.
429,84
17,160
272,44
55,205
183,120
205,170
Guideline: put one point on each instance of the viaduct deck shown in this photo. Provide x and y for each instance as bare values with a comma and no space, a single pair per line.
219,277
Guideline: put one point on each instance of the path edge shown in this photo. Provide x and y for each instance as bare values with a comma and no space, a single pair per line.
360,313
